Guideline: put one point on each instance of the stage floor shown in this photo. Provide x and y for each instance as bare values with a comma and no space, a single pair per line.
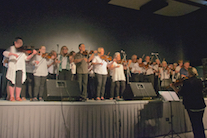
91,119
88,102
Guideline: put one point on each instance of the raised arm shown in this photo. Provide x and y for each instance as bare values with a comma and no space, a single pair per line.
8,54
30,56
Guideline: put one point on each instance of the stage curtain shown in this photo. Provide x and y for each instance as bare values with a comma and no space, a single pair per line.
126,119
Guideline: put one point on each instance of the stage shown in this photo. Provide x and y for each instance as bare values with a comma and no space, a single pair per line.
91,119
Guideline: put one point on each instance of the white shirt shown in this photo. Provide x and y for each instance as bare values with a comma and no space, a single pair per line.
173,76
53,68
136,68
73,68
90,70
118,73
132,64
110,71
100,69
41,68
149,71
156,68
178,68
20,64
13,64
64,62
164,74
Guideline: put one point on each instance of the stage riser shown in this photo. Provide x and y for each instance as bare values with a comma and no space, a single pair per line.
94,120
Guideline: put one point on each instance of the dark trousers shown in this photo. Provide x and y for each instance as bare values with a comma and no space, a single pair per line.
39,87
120,87
18,80
65,74
83,81
4,82
196,119
74,77
28,86
136,77
101,83
91,87
157,84
112,87
149,78
51,76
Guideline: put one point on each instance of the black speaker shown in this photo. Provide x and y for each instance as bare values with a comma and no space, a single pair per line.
57,90
153,6
204,62
135,90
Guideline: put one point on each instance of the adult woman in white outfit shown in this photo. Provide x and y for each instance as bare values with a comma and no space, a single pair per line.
118,76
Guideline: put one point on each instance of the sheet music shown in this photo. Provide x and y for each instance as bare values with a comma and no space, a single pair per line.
169,95
175,96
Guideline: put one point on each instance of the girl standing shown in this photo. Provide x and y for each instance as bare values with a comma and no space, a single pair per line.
40,73
52,65
16,73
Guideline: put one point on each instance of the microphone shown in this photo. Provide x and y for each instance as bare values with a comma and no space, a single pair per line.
154,53
122,51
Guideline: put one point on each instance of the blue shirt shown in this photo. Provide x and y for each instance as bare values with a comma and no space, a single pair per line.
183,71
6,64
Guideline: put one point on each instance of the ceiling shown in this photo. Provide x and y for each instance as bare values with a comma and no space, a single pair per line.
173,7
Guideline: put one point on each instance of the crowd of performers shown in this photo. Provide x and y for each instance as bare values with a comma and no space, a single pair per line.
25,71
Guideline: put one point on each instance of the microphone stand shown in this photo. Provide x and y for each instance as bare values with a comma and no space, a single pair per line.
128,72
57,74
158,79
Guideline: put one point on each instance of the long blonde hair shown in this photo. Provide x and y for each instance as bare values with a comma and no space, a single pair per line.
61,51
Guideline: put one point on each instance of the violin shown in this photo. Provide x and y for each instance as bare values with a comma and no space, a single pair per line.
147,65
106,58
178,82
85,53
160,65
142,64
121,61
166,68
45,55
26,49
66,55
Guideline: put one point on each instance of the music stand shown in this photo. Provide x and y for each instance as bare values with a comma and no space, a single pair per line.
170,96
